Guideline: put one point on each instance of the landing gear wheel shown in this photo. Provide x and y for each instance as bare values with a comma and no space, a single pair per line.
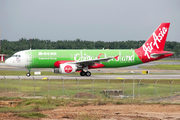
28,74
88,73
82,73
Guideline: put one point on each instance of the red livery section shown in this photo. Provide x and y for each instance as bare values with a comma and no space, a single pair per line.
68,69
97,65
100,55
57,63
153,48
116,57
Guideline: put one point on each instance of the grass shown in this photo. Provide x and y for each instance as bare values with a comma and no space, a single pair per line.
37,105
5,72
31,115
9,98
55,88
29,105
162,67
86,116
166,60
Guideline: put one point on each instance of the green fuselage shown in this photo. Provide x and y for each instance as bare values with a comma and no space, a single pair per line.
47,58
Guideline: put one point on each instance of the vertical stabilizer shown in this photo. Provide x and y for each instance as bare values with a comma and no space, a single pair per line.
155,44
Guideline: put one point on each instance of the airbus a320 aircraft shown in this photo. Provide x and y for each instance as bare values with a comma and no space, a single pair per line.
70,61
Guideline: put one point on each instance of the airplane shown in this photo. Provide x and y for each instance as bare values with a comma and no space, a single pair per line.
71,61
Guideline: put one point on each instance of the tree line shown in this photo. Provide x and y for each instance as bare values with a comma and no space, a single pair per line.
10,47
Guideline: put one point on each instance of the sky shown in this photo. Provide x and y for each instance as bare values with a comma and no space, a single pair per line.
92,20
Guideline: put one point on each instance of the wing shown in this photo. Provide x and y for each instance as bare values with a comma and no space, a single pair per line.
91,62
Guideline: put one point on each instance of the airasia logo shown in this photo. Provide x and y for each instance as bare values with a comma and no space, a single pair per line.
68,69
157,39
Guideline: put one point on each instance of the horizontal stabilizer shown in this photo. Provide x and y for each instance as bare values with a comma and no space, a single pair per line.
155,55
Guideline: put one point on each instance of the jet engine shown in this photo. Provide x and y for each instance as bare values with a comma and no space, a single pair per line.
65,68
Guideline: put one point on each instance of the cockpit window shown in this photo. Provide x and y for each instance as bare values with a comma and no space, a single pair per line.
16,56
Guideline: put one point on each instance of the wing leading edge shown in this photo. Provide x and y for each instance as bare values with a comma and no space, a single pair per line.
91,62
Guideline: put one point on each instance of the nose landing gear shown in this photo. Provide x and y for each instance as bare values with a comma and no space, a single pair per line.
28,74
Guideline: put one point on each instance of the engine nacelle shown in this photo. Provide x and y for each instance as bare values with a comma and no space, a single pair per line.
66,68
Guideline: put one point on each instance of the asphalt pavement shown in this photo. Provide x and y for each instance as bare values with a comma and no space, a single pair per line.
74,77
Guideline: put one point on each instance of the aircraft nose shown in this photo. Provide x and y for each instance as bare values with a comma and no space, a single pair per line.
8,61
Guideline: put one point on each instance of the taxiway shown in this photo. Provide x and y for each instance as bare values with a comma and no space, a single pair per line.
71,77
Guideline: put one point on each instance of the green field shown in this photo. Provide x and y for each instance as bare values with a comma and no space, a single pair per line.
162,67
55,88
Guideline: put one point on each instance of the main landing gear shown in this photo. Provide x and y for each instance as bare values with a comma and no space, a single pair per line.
28,74
87,73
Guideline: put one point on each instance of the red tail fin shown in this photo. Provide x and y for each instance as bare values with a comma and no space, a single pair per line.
155,43
157,40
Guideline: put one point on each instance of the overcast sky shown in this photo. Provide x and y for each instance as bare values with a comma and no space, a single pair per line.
105,20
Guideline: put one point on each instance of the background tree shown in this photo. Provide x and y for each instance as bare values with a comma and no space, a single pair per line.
10,47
